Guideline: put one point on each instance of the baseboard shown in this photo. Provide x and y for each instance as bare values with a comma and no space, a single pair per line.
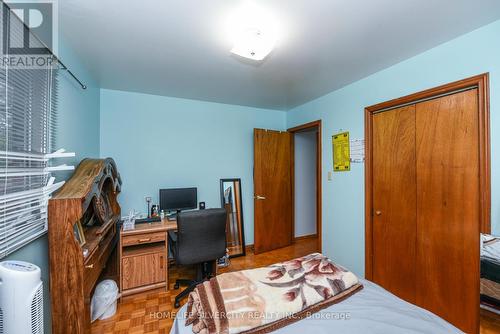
305,237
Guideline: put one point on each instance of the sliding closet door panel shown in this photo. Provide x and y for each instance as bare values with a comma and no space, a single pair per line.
448,206
394,201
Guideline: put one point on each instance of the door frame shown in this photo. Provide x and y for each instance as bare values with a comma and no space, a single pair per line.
481,82
319,171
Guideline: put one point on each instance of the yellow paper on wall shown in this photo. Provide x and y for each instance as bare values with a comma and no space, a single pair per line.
341,152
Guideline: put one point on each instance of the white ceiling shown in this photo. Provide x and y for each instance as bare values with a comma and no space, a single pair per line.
178,47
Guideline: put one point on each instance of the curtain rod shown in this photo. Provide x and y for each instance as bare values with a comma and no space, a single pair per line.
64,67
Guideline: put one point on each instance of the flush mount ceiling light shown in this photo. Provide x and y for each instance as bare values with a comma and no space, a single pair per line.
253,32
254,43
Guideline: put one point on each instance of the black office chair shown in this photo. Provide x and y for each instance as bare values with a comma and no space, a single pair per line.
201,240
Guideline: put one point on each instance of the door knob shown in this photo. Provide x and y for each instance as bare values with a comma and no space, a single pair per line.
259,197
378,213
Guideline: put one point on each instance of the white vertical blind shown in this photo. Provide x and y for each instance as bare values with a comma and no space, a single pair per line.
28,104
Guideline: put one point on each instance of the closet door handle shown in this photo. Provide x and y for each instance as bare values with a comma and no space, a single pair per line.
378,213
260,197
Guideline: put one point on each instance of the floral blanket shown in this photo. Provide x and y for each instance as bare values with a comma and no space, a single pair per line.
264,299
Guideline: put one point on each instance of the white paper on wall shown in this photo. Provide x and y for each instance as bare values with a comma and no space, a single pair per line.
357,150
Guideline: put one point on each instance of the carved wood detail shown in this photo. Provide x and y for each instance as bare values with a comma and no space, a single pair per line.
88,197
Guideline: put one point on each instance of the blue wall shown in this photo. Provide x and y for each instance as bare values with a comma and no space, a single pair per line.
343,197
78,131
162,142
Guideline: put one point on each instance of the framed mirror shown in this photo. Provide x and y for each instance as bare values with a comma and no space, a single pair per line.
231,201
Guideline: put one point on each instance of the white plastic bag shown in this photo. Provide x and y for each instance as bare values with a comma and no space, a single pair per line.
103,303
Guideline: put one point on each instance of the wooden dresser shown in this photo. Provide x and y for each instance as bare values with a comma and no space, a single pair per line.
144,257
87,199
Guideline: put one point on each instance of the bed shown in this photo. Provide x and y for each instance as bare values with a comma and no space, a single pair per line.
490,273
371,310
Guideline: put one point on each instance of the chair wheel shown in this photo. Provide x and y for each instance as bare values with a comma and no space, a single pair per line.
176,286
177,304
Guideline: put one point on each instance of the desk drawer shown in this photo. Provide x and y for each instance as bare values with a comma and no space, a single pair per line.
145,238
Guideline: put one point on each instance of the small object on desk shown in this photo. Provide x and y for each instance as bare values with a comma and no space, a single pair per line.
148,200
172,217
162,214
154,211
148,220
129,221
202,205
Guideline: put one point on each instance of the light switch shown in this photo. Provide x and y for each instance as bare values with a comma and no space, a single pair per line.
330,176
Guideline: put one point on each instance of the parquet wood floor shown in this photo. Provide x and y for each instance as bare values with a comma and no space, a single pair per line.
153,312
490,322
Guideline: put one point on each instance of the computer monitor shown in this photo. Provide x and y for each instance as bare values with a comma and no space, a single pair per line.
178,199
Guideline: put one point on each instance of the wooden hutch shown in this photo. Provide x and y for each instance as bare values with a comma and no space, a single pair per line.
87,204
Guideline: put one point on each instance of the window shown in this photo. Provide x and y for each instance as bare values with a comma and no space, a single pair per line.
28,104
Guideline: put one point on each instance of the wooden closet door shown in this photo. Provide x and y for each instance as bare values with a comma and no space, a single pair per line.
448,205
394,201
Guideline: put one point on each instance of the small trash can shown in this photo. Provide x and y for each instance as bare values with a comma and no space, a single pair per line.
104,300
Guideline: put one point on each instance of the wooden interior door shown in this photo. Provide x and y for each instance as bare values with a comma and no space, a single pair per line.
448,206
272,190
394,201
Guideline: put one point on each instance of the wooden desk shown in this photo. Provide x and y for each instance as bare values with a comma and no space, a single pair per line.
144,257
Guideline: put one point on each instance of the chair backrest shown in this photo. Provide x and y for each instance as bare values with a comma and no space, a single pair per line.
201,236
